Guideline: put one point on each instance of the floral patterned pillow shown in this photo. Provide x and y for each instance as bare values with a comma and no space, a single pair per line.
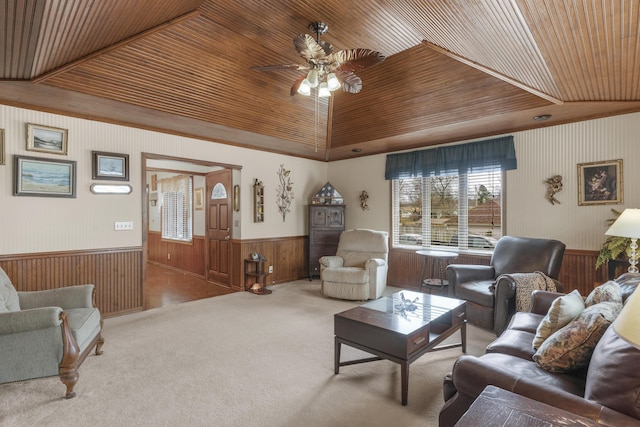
609,291
571,347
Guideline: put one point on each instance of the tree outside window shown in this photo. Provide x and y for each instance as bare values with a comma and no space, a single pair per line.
458,211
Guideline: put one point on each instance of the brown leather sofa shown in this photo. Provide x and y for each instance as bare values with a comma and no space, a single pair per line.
613,390
490,309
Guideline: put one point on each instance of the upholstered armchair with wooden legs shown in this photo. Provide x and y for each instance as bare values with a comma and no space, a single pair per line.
358,271
46,333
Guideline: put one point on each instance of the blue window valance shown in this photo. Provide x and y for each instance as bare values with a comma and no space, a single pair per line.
472,157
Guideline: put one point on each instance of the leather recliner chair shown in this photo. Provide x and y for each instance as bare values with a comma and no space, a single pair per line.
490,290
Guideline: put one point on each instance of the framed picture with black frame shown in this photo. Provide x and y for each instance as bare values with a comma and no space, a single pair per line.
110,166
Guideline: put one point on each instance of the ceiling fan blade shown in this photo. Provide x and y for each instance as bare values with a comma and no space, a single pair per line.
296,85
280,67
308,48
350,82
351,60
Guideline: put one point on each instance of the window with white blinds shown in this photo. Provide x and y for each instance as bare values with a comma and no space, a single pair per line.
177,207
456,211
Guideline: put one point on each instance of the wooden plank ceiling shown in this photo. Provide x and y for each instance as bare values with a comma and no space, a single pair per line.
455,70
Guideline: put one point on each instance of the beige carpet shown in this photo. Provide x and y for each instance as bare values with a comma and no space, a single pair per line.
235,360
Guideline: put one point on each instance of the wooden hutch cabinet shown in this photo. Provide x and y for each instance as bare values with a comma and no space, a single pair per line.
326,222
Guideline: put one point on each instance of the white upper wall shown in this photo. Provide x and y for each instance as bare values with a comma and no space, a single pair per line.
541,153
351,178
48,224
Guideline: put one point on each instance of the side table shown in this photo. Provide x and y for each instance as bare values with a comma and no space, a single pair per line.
255,278
439,260
498,407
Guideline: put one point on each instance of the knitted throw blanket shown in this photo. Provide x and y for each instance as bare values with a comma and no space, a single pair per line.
526,283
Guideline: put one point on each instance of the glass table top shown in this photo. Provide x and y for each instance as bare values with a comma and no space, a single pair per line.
411,305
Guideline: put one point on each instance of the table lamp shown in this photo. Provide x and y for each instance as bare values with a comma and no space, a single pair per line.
627,324
628,225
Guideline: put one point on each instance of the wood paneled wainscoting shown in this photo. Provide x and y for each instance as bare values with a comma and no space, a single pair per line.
405,266
287,255
578,269
189,257
116,274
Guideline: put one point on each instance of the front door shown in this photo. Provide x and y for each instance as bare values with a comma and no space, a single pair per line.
219,219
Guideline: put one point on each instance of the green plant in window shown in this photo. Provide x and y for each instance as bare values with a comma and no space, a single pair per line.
614,247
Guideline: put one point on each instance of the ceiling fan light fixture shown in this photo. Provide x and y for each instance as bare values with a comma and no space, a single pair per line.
323,90
312,78
333,82
324,65
304,88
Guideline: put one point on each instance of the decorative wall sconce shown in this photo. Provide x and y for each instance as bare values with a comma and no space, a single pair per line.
236,198
554,186
364,196
285,192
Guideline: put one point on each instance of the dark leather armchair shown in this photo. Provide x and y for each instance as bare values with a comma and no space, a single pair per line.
491,307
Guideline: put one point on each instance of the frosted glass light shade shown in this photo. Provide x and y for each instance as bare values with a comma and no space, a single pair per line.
323,90
312,78
333,82
304,88
627,324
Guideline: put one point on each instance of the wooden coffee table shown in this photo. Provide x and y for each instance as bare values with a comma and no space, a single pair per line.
400,328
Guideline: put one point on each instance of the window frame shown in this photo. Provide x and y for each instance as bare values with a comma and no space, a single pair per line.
426,212
187,213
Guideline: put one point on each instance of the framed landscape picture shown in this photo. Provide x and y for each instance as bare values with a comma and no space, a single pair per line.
110,166
34,176
46,139
600,183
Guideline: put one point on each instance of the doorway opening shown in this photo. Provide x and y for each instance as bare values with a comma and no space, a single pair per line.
177,265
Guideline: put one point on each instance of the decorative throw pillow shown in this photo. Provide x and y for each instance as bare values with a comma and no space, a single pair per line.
571,347
562,311
608,291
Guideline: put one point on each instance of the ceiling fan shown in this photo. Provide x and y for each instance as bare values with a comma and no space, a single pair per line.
327,70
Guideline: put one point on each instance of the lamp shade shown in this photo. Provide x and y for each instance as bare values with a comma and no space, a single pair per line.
627,324
627,225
